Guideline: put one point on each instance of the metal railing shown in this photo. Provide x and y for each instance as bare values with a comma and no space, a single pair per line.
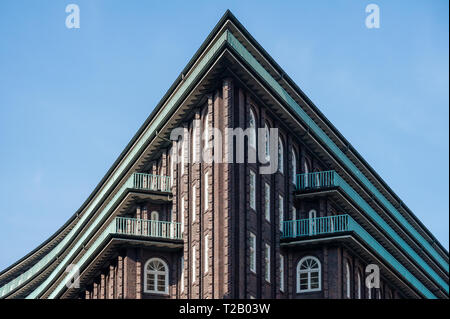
151,182
146,228
316,180
317,226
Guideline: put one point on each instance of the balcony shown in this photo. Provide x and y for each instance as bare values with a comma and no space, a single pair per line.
317,226
317,181
150,182
145,228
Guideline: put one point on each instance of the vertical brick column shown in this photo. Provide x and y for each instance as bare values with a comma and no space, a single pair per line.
228,239
241,209
119,281
207,221
183,189
111,282
102,286
195,208
217,197
138,273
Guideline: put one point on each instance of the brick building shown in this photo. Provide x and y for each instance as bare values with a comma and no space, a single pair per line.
166,222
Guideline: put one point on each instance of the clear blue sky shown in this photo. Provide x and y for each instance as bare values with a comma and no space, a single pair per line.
70,100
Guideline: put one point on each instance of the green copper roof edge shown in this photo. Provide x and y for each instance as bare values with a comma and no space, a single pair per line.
251,60
229,15
340,182
173,100
414,281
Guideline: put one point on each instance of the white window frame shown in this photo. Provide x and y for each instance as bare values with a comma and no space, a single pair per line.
267,201
266,142
309,271
294,218
312,215
252,255
252,190
172,154
252,127
347,280
206,195
182,215
155,274
294,167
183,153
280,156
267,262
281,210
194,142
358,277
281,273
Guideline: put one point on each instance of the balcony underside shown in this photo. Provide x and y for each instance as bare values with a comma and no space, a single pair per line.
339,196
111,249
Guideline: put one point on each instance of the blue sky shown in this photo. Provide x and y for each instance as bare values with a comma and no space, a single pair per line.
70,100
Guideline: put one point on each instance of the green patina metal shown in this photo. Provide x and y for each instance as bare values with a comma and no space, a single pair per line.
327,179
129,227
345,223
171,104
228,37
136,181
251,60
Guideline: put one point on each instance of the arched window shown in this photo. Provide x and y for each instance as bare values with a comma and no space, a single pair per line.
154,215
205,148
156,276
155,230
252,127
308,275
358,287
280,155
306,172
312,222
294,167
267,142
347,281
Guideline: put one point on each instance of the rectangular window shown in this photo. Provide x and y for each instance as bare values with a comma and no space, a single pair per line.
281,211
193,203
182,215
183,146
281,272
194,142
294,223
172,154
206,253
252,190
206,190
267,263
193,264
182,274
252,252
267,201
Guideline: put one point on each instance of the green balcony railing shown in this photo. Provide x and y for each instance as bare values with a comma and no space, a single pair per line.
316,180
151,182
317,226
146,228
328,179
